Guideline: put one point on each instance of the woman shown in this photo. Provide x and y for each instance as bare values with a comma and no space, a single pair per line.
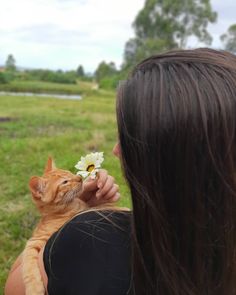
177,129
177,144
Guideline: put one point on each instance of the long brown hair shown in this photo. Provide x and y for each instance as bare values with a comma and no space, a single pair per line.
176,118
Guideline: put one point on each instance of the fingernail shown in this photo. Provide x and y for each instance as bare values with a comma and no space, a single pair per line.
116,197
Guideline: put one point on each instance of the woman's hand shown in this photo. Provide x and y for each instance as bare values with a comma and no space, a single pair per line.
101,190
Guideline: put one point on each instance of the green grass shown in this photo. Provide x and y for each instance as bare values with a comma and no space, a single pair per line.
39,127
47,87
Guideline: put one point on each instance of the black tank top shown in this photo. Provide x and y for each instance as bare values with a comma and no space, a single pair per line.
90,255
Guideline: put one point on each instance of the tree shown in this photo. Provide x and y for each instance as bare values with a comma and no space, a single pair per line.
10,64
105,70
80,71
167,24
229,39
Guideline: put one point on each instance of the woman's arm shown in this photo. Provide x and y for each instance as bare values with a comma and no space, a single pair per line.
14,284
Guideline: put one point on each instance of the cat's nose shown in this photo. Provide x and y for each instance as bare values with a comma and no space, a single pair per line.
78,178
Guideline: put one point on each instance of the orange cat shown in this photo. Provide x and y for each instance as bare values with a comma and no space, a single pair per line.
56,195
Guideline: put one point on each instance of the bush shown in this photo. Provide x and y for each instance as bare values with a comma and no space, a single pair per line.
3,79
51,76
6,77
110,82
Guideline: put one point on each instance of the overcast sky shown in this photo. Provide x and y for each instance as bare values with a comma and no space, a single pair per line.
65,33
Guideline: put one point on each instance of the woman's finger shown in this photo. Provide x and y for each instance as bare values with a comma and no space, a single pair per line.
111,193
107,186
92,184
102,178
115,198
89,185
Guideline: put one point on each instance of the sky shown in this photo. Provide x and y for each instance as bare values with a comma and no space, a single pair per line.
61,34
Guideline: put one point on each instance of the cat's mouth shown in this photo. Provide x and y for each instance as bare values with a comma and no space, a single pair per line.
73,194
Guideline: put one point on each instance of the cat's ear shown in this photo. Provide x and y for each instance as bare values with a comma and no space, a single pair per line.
37,186
50,165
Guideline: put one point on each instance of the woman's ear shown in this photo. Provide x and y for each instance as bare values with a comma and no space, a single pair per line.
37,186
116,150
50,165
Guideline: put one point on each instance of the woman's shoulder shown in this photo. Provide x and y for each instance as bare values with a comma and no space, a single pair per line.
93,224
93,242
107,216
98,219
96,228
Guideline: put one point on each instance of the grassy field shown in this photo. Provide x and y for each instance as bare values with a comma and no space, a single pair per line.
31,129
84,88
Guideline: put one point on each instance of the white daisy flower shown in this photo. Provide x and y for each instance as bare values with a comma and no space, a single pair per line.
89,165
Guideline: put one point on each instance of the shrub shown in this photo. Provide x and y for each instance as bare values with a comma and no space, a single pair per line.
6,77
51,76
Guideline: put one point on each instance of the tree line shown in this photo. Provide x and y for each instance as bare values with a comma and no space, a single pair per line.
159,26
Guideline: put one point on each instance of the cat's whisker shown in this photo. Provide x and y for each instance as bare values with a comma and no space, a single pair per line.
72,194
69,197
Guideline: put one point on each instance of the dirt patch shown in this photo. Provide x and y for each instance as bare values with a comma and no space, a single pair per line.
5,119
12,206
97,139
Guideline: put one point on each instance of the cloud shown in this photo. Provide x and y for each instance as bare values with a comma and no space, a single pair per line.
64,33
66,30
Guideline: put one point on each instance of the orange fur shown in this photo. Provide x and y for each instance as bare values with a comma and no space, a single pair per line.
56,195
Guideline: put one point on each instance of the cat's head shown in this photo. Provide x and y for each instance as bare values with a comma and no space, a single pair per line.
56,190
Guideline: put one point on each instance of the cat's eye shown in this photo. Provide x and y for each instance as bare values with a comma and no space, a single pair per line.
65,182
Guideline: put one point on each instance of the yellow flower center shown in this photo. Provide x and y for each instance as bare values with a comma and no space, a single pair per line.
90,168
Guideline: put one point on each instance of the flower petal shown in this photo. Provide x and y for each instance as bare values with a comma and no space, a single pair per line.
93,174
84,174
81,165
